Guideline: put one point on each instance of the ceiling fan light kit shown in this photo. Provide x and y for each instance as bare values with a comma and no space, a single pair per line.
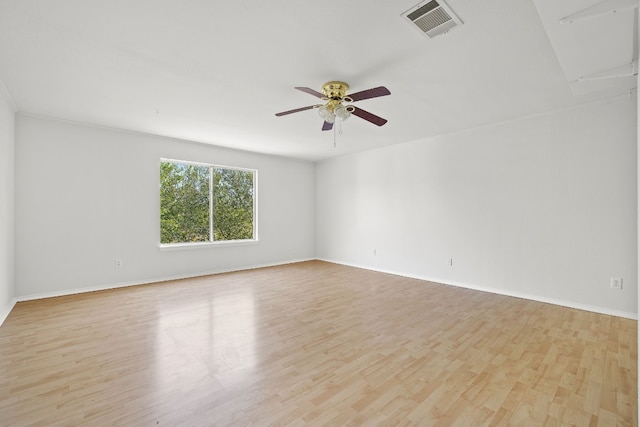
335,95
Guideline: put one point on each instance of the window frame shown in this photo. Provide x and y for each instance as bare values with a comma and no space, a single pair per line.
211,241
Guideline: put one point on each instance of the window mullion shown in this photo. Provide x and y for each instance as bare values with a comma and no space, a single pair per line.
211,204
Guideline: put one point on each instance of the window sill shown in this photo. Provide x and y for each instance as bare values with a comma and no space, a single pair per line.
202,245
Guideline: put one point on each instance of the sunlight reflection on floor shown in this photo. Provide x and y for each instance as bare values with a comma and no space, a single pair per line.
215,337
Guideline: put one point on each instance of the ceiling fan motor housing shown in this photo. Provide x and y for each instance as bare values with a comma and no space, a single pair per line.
335,90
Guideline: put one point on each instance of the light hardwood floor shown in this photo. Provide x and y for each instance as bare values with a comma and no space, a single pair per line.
313,343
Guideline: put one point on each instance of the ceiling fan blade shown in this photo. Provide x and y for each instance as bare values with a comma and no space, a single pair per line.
370,93
376,120
284,113
310,91
327,126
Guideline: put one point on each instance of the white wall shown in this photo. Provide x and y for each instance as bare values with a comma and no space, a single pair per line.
543,207
86,196
7,149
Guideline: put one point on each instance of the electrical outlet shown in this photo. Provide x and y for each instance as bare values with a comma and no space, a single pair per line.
117,263
616,283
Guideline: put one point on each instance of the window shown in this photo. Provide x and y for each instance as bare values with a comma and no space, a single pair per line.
206,203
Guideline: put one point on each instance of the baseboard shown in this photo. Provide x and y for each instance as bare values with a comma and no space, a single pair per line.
4,313
562,303
75,291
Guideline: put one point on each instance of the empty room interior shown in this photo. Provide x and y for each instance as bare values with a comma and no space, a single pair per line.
319,213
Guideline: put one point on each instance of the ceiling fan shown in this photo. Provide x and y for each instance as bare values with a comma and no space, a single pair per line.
335,95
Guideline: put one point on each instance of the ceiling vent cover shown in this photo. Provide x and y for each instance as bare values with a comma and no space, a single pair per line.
432,17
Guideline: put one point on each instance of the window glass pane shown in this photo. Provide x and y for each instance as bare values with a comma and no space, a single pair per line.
233,204
184,203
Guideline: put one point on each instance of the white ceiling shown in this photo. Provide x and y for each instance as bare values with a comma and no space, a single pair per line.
217,71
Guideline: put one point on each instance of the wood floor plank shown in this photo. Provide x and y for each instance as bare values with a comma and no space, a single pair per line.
313,343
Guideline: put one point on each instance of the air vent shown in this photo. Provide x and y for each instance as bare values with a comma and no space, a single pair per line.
432,18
